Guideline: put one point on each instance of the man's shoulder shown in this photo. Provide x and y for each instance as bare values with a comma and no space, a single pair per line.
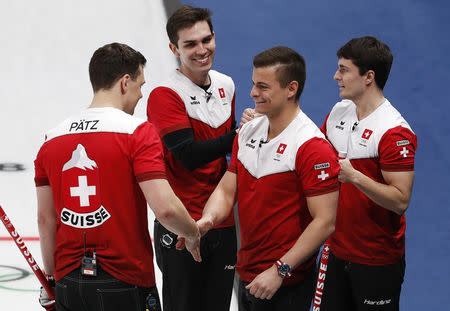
304,130
386,118
216,75
252,126
96,120
342,107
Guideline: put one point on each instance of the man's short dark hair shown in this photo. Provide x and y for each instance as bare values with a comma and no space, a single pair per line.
369,53
111,62
186,17
291,66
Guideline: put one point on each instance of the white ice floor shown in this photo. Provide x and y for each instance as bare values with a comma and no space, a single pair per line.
45,51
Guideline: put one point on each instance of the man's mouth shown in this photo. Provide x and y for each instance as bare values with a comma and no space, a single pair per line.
202,60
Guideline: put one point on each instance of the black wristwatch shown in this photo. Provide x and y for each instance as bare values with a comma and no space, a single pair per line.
284,270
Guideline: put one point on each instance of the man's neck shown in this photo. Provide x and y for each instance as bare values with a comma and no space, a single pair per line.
199,78
105,99
368,103
278,122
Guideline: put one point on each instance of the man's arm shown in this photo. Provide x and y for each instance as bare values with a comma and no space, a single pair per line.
220,203
193,154
171,213
167,111
323,211
393,196
46,227
396,150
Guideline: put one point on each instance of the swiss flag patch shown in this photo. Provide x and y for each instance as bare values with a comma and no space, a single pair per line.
367,133
281,148
222,92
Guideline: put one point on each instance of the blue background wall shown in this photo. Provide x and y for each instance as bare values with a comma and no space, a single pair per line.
418,34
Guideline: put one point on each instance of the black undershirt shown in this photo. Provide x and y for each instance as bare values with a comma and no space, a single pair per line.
193,154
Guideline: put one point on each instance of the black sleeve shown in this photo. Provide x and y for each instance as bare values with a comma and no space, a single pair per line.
193,154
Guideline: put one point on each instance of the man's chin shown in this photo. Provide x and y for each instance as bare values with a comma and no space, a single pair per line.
261,111
342,95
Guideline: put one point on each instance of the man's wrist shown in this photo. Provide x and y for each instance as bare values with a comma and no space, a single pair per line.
284,270
50,280
208,220
194,234
355,177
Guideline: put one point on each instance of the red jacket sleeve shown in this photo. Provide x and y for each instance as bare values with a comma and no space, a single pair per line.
323,128
40,175
167,111
147,153
233,163
317,167
397,149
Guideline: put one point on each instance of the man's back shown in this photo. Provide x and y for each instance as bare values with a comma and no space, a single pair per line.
93,161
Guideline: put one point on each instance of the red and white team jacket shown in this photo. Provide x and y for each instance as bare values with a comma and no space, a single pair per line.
367,233
178,104
93,162
274,179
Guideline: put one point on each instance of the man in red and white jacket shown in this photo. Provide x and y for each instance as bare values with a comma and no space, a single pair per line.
193,112
377,147
283,173
94,175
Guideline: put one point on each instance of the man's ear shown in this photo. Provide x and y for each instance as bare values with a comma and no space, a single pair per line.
292,88
174,49
124,83
370,77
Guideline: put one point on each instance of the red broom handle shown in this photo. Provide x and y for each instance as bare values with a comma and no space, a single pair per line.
26,254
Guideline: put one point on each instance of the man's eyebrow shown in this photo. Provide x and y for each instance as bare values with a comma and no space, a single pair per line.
193,41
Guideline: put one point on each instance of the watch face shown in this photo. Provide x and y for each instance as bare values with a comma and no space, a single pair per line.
285,268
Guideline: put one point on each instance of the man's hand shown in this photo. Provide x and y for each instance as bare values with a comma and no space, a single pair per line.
204,225
45,301
248,115
266,284
347,172
192,244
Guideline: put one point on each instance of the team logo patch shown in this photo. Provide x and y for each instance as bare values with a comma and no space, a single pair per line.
322,166
367,133
81,192
194,100
221,92
323,175
404,142
404,152
281,148
251,144
340,126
